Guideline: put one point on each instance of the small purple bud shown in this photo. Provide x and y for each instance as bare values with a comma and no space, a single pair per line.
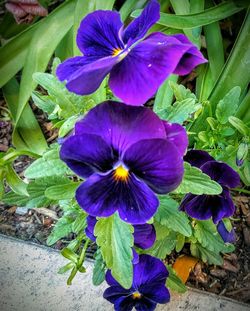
241,154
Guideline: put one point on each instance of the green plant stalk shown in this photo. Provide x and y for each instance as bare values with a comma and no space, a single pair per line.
243,112
236,72
83,253
206,17
241,190
27,134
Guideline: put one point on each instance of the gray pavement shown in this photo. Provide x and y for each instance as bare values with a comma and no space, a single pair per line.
29,282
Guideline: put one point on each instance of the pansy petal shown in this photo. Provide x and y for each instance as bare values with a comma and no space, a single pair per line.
113,293
177,135
144,235
145,304
197,157
102,195
86,154
192,58
156,292
88,78
110,279
157,162
140,25
158,272
121,125
203,207
68,68
138,203
98,34
227,236
124,304
91,222
135,257
138,76
222,173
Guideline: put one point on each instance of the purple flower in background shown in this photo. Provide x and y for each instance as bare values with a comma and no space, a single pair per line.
220,206
126,154
148,288
137,65
144,235
227,236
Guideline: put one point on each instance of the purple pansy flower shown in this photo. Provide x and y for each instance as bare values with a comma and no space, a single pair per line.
127,154
227,236
137,65
144,235
203,207
148,288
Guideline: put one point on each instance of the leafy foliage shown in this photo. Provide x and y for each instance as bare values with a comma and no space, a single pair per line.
196,182
174,282
165,242
115,239
168,215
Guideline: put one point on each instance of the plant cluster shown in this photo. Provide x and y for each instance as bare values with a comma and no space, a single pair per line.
139,182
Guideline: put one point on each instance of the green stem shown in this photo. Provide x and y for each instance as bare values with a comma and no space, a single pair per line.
14,154
241,190
83,253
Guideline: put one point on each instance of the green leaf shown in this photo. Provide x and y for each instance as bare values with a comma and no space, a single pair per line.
239,125
180,111
99,269
66,191
49,165
69,254
115,239
228,105
205,254
174,282
13,54
66,268
169,216
15,182
181,92
57,90
37,188
80,223
62,229
12,198
164,95
42,102
67,126
180,242
127,8
196,182
164,244
206,17
237,67
206,233
42,46
27,134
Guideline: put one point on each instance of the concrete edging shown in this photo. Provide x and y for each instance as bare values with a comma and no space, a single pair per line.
29,281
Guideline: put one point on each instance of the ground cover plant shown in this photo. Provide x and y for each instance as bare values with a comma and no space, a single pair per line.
142,165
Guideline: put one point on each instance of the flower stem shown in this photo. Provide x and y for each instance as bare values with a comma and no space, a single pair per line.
83,253
241,190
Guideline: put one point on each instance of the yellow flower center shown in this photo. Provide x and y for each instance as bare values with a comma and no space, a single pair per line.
116,52
121,173
136,295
